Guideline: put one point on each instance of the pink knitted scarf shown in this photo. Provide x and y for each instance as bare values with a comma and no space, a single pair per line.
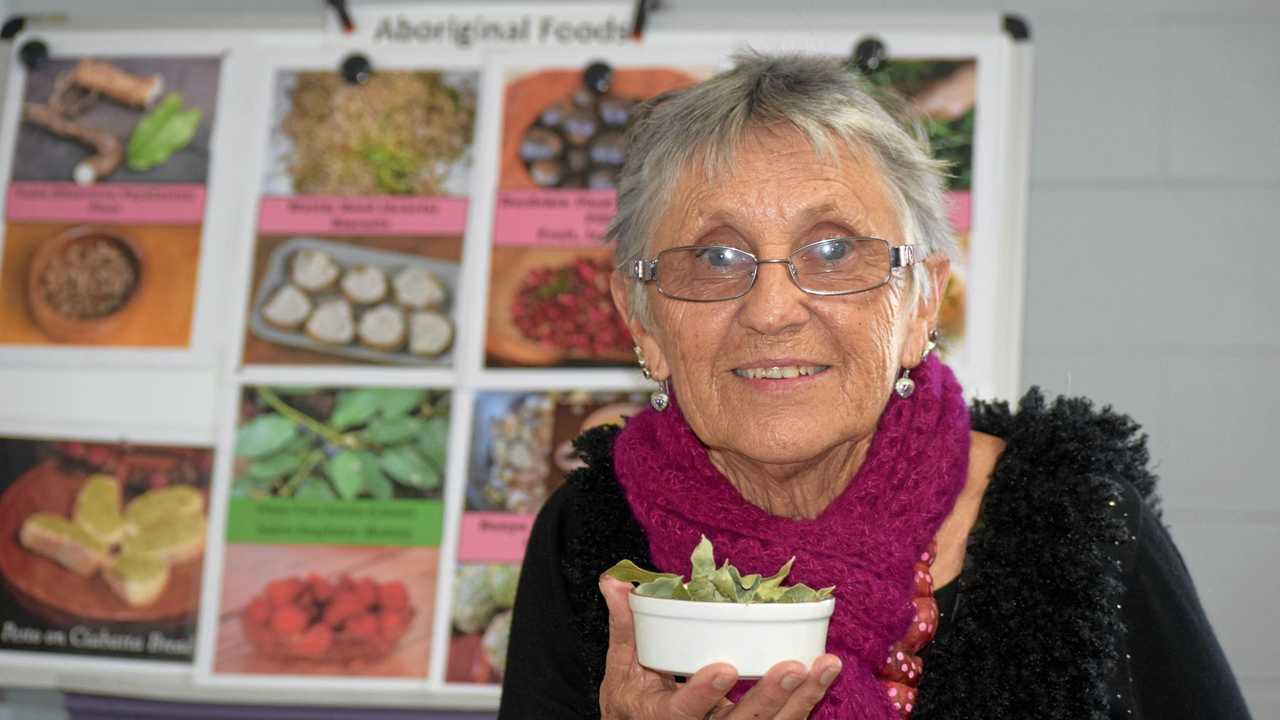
864,543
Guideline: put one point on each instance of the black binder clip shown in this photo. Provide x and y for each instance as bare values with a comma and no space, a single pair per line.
598,76
869,55
34,54
356,69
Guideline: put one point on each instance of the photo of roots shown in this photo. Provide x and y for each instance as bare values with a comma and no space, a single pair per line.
98,284
378,300
400,133
126,119
326,610
103,534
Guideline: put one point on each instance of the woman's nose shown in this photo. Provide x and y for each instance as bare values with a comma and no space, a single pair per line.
775,305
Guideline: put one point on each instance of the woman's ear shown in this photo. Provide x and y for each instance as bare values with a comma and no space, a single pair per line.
927,305
654,360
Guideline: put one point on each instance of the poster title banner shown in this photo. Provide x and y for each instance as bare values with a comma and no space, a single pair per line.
467,26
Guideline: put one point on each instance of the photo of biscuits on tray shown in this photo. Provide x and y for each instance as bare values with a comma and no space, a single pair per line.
380,300
103,532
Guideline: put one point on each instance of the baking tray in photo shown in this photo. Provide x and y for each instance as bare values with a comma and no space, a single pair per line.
347,255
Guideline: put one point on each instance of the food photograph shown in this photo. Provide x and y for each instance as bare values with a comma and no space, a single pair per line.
522,443
98,284
341,444
124,119
549,305
400,133
101,546
480,622
385,300
326,610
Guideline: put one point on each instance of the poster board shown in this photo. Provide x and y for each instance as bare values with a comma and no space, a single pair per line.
452,556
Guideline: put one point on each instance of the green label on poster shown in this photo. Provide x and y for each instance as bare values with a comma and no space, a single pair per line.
402,523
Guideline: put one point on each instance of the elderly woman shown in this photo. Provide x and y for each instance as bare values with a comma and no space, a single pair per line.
782,248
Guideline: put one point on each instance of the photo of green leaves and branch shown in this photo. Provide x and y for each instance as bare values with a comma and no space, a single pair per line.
308,443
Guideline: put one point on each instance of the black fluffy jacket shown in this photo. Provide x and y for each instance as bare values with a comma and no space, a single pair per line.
1073,602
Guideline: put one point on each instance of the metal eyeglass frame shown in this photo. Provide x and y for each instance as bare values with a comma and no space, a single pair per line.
900,256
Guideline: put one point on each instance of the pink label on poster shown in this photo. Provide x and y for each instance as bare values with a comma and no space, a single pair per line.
334,215
960,210
493,537
553,218
138,203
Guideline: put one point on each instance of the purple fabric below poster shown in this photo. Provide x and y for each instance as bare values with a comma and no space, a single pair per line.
98,707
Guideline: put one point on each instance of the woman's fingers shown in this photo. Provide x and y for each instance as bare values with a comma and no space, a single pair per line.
702,693
771,693
622,636
821,675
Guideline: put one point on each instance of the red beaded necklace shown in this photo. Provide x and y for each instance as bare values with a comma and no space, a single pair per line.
900,674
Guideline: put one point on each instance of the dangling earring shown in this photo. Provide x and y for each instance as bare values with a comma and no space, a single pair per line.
905,387
661,398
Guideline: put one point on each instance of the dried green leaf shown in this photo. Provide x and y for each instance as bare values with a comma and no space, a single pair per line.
702,590
826,592
627,571
663,587
724,582
798,593
703,559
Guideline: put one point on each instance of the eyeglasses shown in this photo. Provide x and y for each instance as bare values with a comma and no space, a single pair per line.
834,266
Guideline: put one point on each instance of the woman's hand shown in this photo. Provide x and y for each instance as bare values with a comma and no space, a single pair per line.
632,692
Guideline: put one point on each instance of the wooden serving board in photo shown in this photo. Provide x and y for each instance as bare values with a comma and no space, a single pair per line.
348,255
61,596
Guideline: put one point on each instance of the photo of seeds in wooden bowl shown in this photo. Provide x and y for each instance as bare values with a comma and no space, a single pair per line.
749,621
81,284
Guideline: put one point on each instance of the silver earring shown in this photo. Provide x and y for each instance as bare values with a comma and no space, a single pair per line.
644,369
660,399
905,387
931,345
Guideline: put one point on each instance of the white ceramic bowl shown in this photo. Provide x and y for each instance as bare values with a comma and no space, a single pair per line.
680,636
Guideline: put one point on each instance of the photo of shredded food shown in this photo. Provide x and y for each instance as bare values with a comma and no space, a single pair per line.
399,133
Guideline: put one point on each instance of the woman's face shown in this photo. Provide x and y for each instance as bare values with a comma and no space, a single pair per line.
779,196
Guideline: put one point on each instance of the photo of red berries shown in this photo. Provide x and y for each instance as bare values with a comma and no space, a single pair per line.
551,306
326,610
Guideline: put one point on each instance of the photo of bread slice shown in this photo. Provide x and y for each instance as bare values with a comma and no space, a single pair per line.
97,509
364,284
172,541
288,308
64,542
137,579
383,328
332,323
419,289
430,333
175,502
314,270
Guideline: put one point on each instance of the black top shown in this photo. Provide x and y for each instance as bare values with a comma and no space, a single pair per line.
1073,601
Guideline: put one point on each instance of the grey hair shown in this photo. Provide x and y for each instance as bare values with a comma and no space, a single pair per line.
828,103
